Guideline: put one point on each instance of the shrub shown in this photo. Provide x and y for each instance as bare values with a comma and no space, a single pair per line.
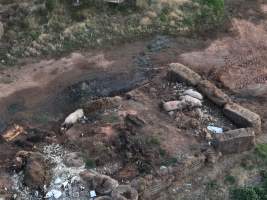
50,5
89,163
230,179
247,193
261,150
209,14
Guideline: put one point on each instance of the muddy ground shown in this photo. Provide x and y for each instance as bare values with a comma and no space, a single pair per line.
39,95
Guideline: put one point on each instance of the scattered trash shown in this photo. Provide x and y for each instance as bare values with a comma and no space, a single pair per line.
215,129
53,193
193,93
13,132
92,193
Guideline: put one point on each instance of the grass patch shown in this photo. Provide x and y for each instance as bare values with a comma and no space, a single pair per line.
261,151
90,163
170,161
250,193
229,179
153,141
212,185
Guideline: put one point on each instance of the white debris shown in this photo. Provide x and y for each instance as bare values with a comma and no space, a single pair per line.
53,193
215,129
173,105
191,101
193,93
65,184
75,179
58,181
92,194
74,117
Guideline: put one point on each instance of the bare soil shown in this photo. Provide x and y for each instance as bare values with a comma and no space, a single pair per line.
34,94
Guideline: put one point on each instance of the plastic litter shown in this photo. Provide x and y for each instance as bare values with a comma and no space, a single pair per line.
92,194
215,129
53,193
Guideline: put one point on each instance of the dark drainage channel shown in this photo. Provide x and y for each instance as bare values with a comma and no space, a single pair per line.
56,107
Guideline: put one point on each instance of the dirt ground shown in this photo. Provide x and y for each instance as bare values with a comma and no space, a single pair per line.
235,60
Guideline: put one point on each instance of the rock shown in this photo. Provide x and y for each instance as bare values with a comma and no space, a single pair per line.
134,120
235,141
35,173
191,101
139,184
242,117
213,93
179,72
73,159
102,184
1,30
193,93
254,91
124,192
173,105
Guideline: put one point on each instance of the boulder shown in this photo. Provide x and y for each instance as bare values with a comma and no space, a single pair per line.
134,120
102,184
1,30
124,192
35,172
235,141
179,72
242,116
213,93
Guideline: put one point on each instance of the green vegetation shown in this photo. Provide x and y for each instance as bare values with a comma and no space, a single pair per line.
153,140
53,27
207,14
261,151
90,163
229,179
212,185
169,161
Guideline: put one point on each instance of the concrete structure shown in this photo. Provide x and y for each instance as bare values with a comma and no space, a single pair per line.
235,141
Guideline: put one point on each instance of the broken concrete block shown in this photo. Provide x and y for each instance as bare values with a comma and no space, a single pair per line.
235,141
213,93
179,72
242,116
